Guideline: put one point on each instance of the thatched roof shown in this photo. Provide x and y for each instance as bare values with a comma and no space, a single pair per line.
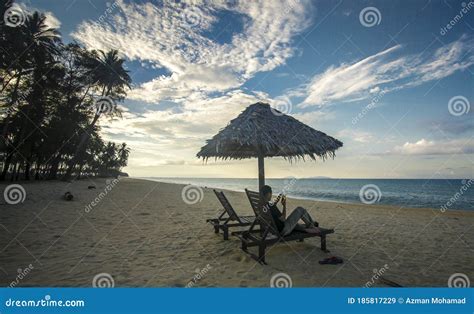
261,127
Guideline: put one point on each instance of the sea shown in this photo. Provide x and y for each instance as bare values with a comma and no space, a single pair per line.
443,194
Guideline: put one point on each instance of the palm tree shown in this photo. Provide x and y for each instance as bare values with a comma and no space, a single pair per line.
35,45
108,160
123,154
107,73
45,88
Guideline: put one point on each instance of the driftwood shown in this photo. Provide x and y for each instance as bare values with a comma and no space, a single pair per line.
68,196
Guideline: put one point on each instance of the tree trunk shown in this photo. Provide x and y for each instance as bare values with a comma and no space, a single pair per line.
14,172
27,170
37,171
80,170
80,149
53,172
6,121
6,166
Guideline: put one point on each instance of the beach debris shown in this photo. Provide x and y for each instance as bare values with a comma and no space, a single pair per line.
68,196
333,260
389,282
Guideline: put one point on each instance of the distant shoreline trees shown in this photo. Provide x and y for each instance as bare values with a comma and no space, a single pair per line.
51,98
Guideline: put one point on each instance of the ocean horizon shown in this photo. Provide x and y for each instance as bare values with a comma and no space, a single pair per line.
442,194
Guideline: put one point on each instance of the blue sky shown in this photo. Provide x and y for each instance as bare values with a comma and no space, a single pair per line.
388,78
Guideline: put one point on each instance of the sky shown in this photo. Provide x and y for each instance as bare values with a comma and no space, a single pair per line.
393,80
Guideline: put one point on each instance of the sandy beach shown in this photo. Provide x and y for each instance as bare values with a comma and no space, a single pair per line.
143,234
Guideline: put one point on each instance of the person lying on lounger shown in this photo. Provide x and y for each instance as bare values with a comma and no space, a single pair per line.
285,224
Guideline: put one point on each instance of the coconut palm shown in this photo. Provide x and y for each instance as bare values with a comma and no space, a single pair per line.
123,154
33,47
46,89
107,73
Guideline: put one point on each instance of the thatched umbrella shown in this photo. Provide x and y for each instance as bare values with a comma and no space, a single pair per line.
261,131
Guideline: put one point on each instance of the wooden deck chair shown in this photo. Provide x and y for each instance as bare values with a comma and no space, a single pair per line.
268,234
229,217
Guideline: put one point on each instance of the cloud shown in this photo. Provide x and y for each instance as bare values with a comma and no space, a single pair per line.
172,35
356,135
314,118
454,125
203,77
426,147
386,71
158,136
51,20
196,117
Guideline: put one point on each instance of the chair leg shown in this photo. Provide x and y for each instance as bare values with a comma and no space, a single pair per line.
216,229
323,244
243,246
225,229
261,253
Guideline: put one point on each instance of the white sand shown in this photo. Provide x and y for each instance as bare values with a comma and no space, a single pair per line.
143,234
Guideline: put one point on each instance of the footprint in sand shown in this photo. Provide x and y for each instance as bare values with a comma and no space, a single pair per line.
239,258
177,285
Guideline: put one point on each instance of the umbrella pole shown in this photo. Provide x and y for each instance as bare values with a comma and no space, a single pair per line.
261,172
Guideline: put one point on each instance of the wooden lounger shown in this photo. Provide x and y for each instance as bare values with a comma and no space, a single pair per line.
229,217
268,233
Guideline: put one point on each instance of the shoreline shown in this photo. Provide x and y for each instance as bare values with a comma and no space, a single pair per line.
316,199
